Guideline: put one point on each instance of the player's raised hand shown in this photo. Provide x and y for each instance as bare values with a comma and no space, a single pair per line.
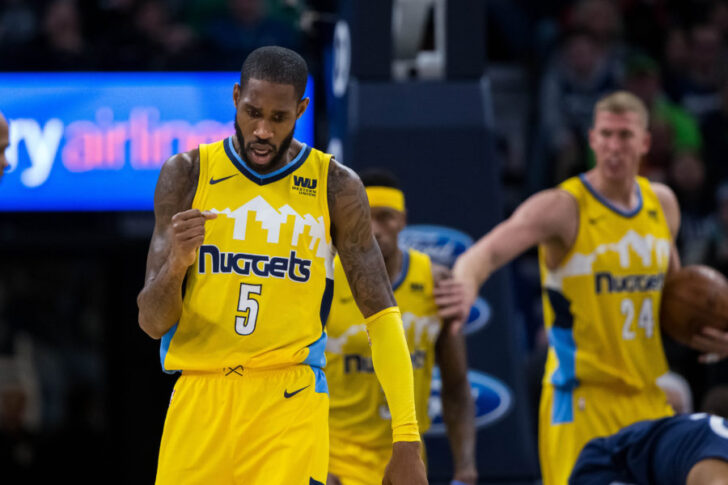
188,233
467,290
405,467
450,298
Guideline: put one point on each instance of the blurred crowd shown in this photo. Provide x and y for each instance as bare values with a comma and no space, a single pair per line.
671,53
49,35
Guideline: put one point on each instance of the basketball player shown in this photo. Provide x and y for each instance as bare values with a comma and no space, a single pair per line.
684,449
238,287
605,245
4,143
359,421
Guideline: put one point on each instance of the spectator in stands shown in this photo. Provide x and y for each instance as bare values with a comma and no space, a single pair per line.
62,45
20,447
645,24
715,132
245,26
686,176
715,247
18,23
673,130
172,45
603,20
698,88
578,75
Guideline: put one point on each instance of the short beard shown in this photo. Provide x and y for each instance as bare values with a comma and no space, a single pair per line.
280,152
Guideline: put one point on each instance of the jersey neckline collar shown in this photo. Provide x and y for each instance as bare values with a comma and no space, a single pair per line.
604,201
402,271
263,179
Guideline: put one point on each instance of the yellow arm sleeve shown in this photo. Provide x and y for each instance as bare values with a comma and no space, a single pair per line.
393,367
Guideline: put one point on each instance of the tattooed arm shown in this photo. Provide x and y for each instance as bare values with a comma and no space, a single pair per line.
178,232
363,264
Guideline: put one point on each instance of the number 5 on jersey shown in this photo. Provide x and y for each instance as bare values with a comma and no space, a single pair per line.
245,324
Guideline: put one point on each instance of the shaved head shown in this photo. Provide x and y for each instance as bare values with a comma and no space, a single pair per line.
4,142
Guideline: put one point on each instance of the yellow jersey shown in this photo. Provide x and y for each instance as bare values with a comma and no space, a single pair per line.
259,292
358,408
601,305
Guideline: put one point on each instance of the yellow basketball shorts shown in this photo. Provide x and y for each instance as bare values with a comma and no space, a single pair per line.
569,419
355,464
247,427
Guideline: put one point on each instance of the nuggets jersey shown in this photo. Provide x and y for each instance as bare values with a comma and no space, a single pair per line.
657,451
601,305
358,409
259,292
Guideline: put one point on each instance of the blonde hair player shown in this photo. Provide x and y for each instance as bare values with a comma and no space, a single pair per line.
605,241
359,418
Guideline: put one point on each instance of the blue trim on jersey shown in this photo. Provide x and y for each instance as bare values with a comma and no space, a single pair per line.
317,361
563,406
263,179
314,482
608,204
164,347
326,299
564,377
403,271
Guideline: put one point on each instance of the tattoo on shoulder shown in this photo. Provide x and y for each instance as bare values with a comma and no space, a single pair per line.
352,235
178,182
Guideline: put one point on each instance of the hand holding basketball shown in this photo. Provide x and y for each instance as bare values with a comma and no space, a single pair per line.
694,309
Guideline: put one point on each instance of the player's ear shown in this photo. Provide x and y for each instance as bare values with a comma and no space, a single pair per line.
301,108
236,94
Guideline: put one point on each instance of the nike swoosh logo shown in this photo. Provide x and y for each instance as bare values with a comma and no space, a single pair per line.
287,394
213,181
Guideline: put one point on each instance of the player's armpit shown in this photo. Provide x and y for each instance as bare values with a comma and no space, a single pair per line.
351,232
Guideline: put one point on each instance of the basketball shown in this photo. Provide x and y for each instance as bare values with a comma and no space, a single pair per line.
694,297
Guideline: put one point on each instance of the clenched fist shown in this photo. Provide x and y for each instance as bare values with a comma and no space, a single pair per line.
188,233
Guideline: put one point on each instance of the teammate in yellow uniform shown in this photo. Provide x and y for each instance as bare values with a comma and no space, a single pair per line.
239,285
359,419
605,247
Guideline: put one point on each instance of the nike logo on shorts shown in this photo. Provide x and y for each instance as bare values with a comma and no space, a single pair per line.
287,394
213,181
